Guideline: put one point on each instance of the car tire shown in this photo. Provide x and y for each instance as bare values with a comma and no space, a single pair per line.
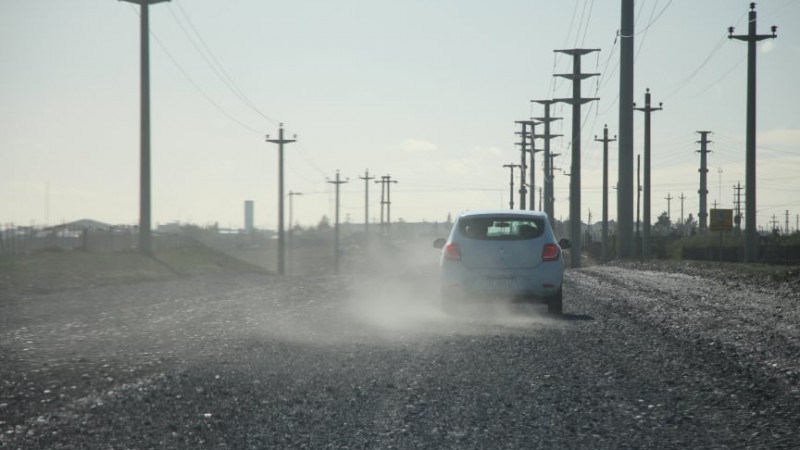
555,304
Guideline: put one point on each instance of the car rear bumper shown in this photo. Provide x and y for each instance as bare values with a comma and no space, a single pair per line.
542,282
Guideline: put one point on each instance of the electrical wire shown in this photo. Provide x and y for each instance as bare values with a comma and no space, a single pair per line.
227,79
652,20
194,84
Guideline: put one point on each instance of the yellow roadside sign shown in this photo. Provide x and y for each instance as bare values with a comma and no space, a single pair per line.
720,220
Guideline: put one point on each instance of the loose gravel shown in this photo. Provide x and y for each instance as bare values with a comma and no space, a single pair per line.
646,356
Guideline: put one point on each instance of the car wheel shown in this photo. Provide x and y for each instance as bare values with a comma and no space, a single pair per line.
555,304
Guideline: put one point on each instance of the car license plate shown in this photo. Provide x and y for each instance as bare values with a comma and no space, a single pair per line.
501,282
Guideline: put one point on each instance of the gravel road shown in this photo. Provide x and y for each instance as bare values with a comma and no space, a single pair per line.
645,357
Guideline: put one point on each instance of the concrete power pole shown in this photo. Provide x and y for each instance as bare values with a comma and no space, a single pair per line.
366,179
145,220
646,246
703,213
525,135
669,198
281,238
625,160
549,200
683,223
638,202
291,196
786,228
605,140
751,239
576,101
336,253
737,220
386,201
511,168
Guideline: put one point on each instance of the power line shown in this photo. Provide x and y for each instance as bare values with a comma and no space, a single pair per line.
230,82
199,89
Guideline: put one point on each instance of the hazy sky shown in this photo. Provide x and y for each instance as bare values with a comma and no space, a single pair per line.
426,91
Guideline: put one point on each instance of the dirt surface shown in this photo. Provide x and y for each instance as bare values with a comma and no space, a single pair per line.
646,356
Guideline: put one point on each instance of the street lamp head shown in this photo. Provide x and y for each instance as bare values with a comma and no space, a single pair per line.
295,137
774,31
267,137
730,32
753,5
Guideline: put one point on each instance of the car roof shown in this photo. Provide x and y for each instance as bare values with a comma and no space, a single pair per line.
503,212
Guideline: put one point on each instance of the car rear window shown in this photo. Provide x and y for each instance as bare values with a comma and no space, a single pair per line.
501,228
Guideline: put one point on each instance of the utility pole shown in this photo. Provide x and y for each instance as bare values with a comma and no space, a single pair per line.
669,198
366,179
738,218
338,182
787,223
683,223
750,251
575,180
291,196
605,140
523,164
281,239
774,223
523,143
383,198
145,220
703,214
638,202
625,160
540,196
511,183
386,181
549,200
647,192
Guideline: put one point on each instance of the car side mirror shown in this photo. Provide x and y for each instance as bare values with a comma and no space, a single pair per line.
439,243
564,243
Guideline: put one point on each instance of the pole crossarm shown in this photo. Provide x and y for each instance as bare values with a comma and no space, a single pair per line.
576,76
576,101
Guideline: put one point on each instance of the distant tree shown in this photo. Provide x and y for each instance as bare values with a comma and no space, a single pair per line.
324,223
690,226
663,227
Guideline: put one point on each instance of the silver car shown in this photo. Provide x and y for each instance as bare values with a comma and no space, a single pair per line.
502,253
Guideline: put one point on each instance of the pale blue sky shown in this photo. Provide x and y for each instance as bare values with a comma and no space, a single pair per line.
427,91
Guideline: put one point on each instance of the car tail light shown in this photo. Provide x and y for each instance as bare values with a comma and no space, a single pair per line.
452,252
550,252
